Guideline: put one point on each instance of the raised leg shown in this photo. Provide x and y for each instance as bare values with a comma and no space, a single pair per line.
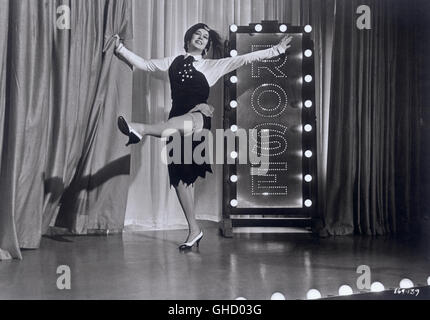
185,125
186,199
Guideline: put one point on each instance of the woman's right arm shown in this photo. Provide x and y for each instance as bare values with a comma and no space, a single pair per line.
138,62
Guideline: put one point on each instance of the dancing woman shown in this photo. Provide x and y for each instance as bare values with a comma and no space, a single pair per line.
191,76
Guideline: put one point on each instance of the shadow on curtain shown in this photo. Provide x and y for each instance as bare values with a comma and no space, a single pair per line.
62,161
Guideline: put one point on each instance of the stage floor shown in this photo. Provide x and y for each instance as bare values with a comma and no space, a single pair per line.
148,265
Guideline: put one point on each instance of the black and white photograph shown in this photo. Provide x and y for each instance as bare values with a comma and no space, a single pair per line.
241,151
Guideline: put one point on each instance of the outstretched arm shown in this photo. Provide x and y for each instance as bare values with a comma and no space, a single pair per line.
224,66
138,62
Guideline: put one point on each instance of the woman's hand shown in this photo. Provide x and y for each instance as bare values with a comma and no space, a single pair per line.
118,44
204,108
284,45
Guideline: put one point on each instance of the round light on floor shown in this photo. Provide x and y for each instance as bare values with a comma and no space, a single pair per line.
313,294
233,178
283,28
377,287
308,78
233,104
233,128
406,284
308,178
277,296
258,27
308,53
234,155
233,79
308,128
308,154
345,290
233,53
308,28
308,203
234,203
233,28
240,298
308,104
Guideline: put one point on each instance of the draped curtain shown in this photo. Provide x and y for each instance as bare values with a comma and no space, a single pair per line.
375,111
62,162
159,27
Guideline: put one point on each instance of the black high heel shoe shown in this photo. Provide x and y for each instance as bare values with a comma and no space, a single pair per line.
133,136
190,244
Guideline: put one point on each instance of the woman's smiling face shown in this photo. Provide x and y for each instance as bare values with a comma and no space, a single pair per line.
199,40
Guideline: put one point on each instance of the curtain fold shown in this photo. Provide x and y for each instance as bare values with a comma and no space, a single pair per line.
373,154
61,91
159,27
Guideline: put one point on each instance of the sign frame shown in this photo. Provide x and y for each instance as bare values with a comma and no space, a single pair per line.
272,217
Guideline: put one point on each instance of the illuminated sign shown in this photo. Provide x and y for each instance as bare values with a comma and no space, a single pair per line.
275,95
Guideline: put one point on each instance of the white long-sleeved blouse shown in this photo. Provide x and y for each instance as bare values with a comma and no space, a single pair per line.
212,69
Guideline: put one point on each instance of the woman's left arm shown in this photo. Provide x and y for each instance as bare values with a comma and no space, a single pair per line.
224,66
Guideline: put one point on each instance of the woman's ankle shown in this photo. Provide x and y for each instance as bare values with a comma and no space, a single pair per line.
195,230
138,127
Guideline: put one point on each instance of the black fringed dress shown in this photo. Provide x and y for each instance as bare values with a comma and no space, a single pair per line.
189,88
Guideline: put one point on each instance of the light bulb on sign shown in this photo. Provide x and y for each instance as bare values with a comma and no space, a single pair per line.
308,78
308,128
233,28
308,104
308,178
283,28
258,28
308,28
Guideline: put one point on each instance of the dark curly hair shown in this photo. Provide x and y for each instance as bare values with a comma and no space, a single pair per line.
214,40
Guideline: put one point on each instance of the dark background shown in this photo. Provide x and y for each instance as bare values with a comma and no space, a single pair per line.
424,19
